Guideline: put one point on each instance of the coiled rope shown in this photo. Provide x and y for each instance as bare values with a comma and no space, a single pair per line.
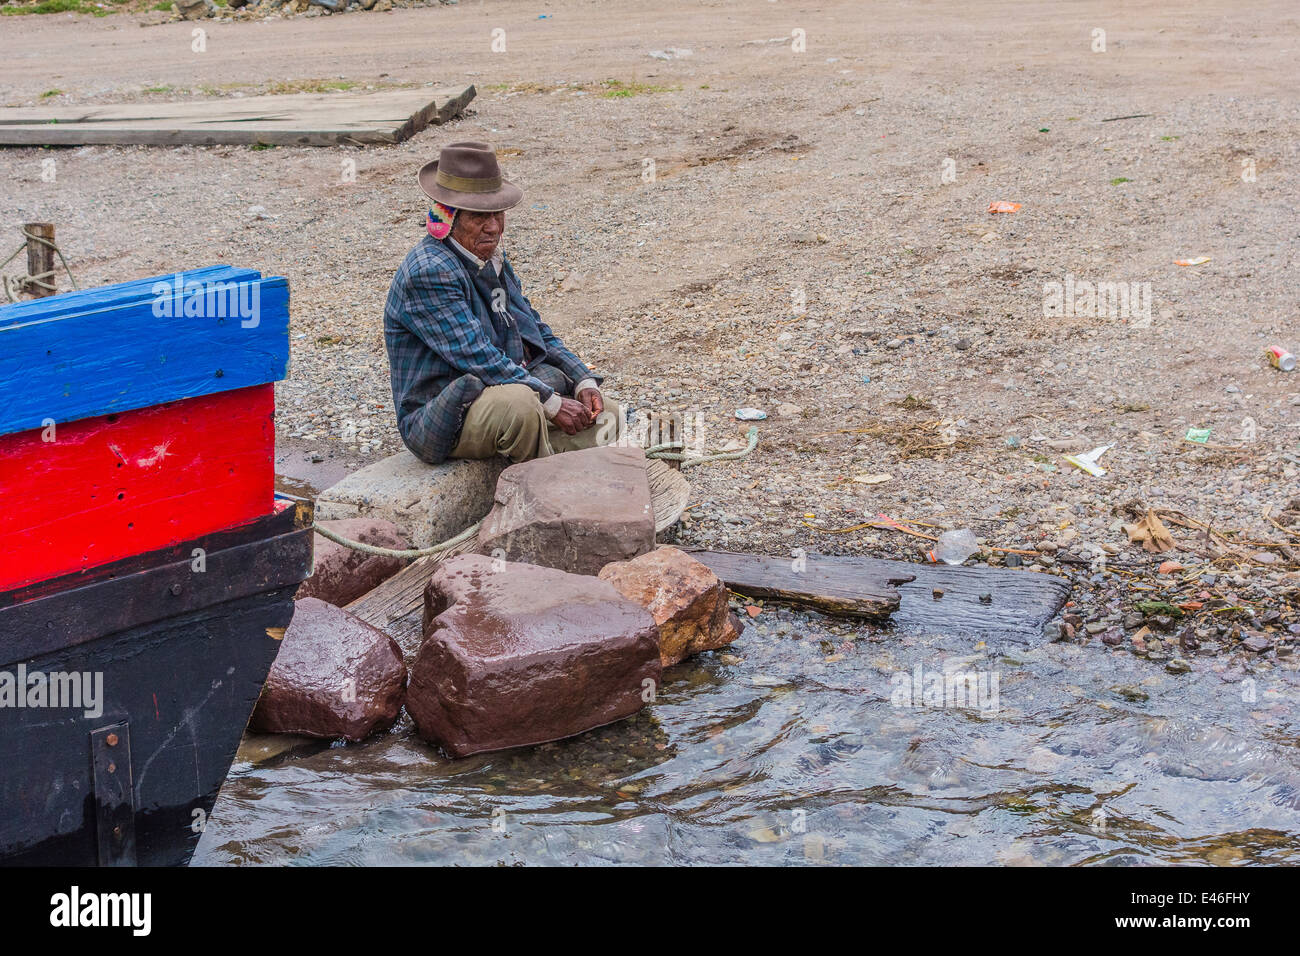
664,451
40,277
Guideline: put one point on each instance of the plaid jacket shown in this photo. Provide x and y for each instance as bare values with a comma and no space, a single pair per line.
445,345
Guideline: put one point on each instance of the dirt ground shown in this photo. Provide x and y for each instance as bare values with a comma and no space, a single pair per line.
815,242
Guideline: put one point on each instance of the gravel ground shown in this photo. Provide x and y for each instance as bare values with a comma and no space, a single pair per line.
815,243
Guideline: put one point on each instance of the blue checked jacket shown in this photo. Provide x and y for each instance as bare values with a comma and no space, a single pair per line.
445,345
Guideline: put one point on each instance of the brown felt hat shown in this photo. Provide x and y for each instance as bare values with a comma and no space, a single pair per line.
467,176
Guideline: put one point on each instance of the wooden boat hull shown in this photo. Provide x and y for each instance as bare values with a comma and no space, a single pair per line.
182,640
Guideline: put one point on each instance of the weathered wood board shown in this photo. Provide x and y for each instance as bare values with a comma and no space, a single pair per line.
823,584
294,119
396,607
1018,604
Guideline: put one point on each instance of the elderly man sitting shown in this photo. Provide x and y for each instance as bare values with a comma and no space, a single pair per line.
475,370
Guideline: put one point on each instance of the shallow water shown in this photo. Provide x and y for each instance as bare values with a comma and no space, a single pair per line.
799,745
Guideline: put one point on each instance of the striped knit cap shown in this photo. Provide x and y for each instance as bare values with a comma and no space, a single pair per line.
440,219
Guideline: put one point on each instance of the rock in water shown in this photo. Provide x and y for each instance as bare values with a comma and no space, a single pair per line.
515,654
575,511
342,574
335,676
686,599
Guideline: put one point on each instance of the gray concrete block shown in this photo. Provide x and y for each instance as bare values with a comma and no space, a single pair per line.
430,503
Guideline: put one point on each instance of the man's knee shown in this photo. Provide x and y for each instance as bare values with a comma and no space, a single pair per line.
509,401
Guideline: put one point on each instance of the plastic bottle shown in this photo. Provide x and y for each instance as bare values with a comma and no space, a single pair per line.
954,547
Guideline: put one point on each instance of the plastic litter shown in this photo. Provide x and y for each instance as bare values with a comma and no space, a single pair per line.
1001,205
1088,461
750,414
1194,261
1198,435
954,547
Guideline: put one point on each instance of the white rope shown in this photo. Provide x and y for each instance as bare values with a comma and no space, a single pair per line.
18,282
390,552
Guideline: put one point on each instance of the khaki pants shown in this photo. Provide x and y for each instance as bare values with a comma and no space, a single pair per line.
509,420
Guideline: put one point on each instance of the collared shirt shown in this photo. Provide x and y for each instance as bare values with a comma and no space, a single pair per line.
498,257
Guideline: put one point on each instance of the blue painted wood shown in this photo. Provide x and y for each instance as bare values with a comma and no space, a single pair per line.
119,293
142,351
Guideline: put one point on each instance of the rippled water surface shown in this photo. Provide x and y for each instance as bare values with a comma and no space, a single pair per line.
799,746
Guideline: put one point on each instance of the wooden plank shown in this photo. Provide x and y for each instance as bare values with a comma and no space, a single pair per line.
297,119
396,607
985,601
108,487
80,615
186,340
824,584
973,600
287,515
389,105
116,294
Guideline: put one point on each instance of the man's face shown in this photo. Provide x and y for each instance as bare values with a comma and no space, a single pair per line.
479,232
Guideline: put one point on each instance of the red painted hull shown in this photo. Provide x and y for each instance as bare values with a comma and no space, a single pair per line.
112,486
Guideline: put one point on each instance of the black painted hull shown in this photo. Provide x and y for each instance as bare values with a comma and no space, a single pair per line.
183,655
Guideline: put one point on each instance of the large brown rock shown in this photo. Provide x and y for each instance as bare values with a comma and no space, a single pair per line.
686,599
343,574
576,511
515,654
335,676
